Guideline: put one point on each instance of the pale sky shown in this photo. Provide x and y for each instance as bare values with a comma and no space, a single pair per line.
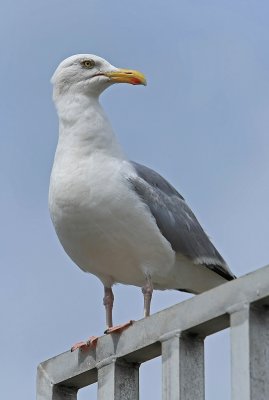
202,122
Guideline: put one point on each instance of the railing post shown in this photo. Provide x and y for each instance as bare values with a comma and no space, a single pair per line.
182,367
118,380
250,352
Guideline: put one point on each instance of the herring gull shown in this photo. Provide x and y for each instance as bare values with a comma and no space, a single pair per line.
115,218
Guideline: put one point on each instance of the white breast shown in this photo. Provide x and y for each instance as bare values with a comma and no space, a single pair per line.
103,225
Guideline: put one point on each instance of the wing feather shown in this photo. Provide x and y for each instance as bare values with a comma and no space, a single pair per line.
176,221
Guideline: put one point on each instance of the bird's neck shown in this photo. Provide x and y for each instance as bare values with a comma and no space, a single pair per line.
84,127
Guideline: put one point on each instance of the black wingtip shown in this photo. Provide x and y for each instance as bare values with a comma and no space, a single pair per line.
220,270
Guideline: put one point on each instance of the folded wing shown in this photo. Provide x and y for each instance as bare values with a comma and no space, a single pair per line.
176,221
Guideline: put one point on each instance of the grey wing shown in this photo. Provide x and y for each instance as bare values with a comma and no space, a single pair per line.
176,221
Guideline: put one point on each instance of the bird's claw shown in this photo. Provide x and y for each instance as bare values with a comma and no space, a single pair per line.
119,328
84,346
92,341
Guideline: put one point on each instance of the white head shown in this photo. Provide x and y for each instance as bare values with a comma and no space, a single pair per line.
90,75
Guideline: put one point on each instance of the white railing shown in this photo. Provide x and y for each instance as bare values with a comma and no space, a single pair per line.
177,334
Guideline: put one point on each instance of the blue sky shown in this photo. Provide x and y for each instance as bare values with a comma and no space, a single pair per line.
202,122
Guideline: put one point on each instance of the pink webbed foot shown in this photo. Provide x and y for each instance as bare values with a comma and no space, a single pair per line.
84,346
119,328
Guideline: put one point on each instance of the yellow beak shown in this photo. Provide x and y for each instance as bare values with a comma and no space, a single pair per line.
127,76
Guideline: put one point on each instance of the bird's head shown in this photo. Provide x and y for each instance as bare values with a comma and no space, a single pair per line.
90,74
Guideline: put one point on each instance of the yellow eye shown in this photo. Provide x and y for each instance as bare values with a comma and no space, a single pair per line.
88,63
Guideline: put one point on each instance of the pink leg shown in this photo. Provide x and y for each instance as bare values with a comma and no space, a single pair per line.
147,292
108,303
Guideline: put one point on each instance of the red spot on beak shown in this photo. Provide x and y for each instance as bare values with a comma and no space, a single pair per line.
135,81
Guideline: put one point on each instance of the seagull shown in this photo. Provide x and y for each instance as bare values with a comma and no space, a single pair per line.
116,219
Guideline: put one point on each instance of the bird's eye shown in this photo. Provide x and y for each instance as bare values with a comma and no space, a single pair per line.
88,63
